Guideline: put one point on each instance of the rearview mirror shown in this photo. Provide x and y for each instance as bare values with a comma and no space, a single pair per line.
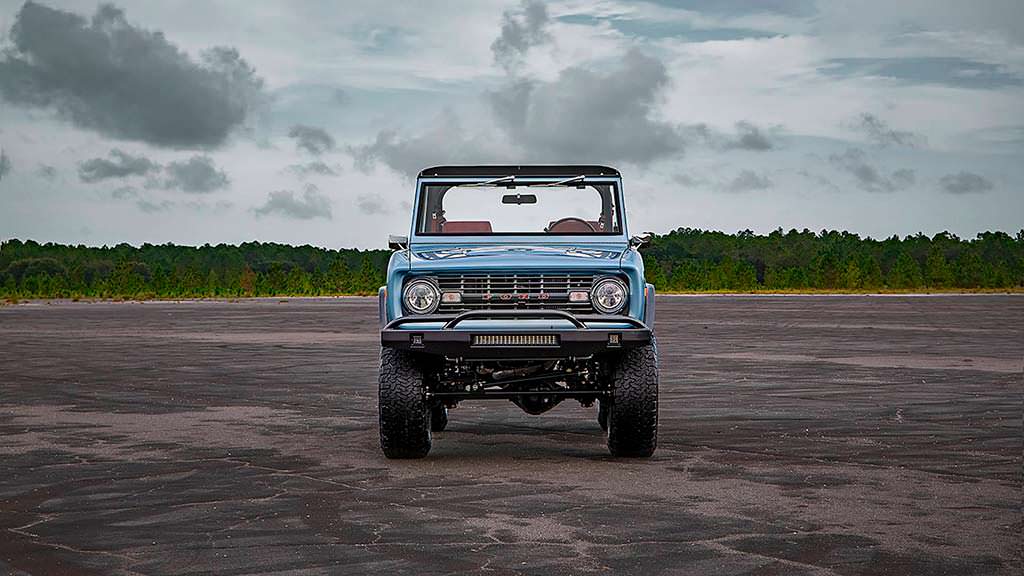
519,199
397,242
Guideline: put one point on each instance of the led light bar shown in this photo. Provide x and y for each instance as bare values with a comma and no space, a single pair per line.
515,340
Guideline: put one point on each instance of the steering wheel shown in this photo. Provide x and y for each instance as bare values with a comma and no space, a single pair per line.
571,219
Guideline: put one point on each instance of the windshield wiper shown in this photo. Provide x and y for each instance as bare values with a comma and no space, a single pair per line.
502,180
575,180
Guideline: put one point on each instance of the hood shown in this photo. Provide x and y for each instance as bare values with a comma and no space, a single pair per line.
516,257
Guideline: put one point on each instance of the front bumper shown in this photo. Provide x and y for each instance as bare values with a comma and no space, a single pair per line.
514,334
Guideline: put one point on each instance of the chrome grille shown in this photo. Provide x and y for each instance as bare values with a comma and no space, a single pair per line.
515,291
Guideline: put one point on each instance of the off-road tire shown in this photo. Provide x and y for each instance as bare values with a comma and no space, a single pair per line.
404,414
633,411
438,418
602,415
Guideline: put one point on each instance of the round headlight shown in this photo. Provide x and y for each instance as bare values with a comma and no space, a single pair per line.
608,295
421,297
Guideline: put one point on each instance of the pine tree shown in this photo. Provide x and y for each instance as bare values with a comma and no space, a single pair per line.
851,277
905,273
937,271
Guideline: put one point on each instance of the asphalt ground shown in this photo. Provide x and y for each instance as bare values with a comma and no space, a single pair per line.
799,435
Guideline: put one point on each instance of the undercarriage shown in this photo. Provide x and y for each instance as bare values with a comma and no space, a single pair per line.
416,391
536,386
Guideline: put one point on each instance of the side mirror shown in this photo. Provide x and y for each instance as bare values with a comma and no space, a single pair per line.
398,242
640,239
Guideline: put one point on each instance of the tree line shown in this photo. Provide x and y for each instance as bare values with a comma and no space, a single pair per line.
32,270
684,260
697,260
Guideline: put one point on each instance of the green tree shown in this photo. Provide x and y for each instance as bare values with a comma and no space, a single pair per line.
937,270
247,282
338,278
851,277
969,270
905,273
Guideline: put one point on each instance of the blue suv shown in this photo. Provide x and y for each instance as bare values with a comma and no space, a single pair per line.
518,283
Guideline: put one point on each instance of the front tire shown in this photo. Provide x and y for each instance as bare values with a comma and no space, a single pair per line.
633,413
404,414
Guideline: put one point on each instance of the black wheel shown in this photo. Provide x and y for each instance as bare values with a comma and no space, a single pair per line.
438,418
602,416
633,413
404,415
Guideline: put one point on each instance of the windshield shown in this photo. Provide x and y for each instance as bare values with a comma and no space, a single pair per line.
480,210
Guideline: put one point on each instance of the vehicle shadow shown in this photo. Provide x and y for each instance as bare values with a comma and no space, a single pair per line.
527,439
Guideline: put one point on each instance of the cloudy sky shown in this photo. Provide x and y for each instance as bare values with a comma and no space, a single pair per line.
192,121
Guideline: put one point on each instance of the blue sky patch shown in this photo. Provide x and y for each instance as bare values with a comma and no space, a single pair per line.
959,72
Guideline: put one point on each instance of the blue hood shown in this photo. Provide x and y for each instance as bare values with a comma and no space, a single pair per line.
441,257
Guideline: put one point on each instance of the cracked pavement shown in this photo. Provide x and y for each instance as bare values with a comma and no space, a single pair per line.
799,435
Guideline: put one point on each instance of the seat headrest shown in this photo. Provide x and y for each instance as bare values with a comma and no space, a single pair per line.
466,227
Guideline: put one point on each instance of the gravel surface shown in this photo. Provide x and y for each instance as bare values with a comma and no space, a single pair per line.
799,435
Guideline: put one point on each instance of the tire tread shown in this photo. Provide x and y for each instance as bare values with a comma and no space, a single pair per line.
404,416
633,414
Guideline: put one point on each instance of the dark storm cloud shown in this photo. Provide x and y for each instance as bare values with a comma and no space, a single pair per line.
748,181
964,182
750,137
582,116
124,192
520,30
150,207
314,140
198,174
5,165
880,133
444,142
119,165
819,180
903,178
405,155
688,180
122,81
855,163
370,204
312,204
46,172
314,168
591,116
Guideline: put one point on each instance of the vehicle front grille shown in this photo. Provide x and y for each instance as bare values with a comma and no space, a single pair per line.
536,291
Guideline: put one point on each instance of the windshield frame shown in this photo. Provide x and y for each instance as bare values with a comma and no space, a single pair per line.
492,237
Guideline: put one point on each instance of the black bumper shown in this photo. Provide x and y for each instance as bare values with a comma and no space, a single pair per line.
514,343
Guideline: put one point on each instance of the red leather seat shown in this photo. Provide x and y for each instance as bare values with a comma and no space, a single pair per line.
466,227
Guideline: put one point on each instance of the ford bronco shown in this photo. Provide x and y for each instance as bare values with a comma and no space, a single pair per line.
517,283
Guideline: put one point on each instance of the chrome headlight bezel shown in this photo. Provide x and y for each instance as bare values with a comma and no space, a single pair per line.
595,296
433,290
